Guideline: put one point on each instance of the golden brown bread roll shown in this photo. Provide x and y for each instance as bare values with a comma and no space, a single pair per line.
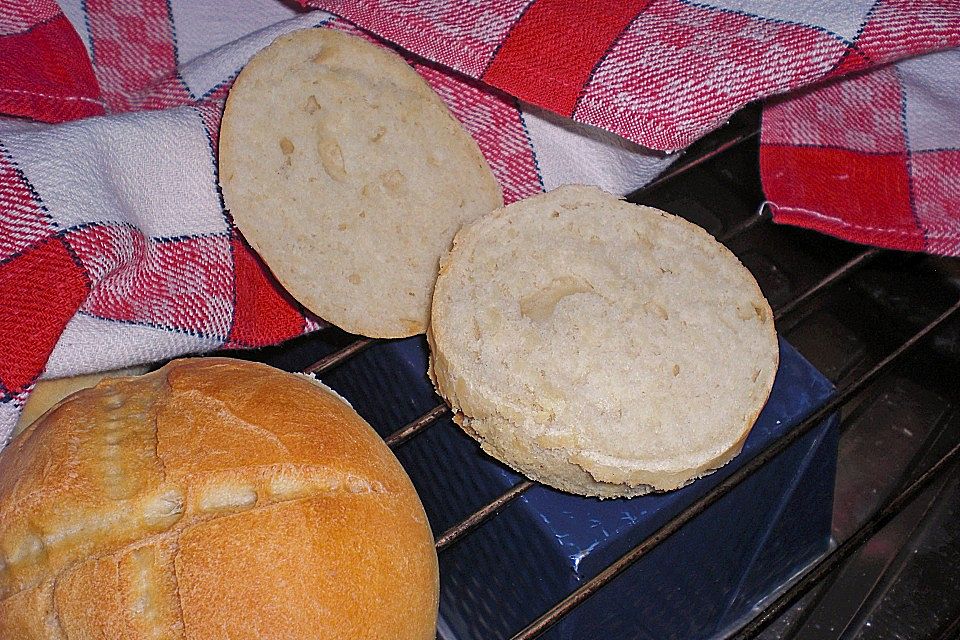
213,498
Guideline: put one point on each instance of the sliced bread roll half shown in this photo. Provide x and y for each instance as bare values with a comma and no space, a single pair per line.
600,347
348,175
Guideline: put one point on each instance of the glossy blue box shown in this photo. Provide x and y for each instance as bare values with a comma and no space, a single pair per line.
697,584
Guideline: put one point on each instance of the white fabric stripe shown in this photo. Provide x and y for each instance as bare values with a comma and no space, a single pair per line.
90,344
932,85
205,26
207,71
151,169
9,414
841,17
572,153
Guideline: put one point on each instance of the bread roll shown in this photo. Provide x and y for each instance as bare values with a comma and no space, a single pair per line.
600,347
47,393
347,174
213,498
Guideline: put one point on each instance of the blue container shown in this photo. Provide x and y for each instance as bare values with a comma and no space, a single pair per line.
697,584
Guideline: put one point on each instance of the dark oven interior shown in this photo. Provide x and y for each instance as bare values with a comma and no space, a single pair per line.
881,326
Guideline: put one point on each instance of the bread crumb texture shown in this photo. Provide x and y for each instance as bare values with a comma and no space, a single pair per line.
600,347
348,175
213,498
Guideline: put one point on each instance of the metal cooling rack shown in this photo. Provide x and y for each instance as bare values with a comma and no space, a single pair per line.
883,327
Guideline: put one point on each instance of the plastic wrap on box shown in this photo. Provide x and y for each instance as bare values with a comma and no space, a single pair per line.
698,583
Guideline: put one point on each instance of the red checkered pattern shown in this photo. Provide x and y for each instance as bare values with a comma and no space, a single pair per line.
843,116
23,219
902,28
133,47
658,72
873,159
44,72
157,282
20,15
115,224
738,59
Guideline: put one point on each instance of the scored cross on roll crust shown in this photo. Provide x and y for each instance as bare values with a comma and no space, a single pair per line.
213,498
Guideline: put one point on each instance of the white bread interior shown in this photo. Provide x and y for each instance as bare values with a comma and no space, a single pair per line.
349,176
600,347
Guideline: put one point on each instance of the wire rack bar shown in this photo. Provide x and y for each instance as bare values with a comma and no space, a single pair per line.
471,522
950,631
828,582
762,214
841,271
406,432
339,357
683,165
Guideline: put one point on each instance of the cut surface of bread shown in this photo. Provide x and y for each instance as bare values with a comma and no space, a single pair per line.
348,175
600,347
213,498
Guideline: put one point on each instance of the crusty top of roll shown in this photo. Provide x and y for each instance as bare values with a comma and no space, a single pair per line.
212,498
47,393
598,346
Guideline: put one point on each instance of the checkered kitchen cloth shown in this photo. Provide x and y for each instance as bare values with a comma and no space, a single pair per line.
872,158
115,247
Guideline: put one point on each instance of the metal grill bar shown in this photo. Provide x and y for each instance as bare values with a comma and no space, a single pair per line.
829,582
404,433
950,631
455,532
589,588
832,560
859,261
745,225
684,166
338,357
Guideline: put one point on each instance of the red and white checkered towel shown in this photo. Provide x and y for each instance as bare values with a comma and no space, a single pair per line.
115,247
